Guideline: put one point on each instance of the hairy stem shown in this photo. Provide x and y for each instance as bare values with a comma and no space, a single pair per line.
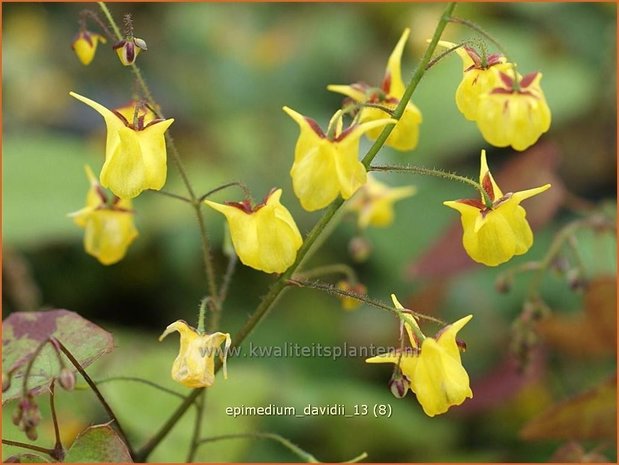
139,380
197,428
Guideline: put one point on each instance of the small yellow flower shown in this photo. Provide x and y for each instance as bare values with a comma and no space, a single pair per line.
350,303
85,45
129,49
135,152
194,366
514,116
405,134
326,166
434,367
264,237
374,203
478,78
109,229
494,234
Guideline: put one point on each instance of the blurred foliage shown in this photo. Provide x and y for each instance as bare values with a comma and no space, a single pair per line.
224,71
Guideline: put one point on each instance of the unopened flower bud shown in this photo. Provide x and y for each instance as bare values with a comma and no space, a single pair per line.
31,433
128,49
85,45
398,384
359,248
67,379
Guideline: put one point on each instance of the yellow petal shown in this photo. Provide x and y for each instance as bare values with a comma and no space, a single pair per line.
484,170
394,67
447,338
154,156
308,138
349,91
405,134
124,170
315,180
108,234
439,380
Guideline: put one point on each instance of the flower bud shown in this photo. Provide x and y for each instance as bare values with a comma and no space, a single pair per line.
398,384
31,433
359,248
575,279
128,49
85,45
67,379
503,283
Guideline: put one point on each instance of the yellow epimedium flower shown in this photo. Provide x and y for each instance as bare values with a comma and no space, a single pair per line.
480,76
265,236
432,365
513,113
194,366
494,234
405,134
374,202
327,165
85,45
135,151
109,228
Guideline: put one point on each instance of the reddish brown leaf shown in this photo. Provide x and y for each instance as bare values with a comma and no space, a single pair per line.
589,415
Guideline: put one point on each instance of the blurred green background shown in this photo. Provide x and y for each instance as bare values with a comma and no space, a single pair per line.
224,71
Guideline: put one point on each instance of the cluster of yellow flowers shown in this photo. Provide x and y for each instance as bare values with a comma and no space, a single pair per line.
509,110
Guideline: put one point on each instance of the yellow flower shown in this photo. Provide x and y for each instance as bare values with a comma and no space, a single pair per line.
109,229
350,303
493,235
433,368
374,202
194,366
129,49
85,45
516,117
478,78
135,152
326,166
405,134
264,237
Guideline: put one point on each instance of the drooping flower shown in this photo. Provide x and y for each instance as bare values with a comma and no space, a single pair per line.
327,165
480,76
265,236
135,152
514,113
85,45
109,228
194,366
405,134
374,202
432,366
128,49
494,234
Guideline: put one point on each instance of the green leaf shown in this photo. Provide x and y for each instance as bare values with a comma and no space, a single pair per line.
23,333
27,458
99,443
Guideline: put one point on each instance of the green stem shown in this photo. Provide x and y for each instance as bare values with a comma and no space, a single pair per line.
280,285
439,174
95,389
173,196
225,186
202,314
412,85
58,448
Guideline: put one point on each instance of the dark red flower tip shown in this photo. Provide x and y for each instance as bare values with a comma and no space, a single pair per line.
528,79
386,85
315,127
487,186
473,203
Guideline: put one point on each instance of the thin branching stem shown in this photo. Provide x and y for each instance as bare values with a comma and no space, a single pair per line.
197,428
24,445
58,448
139,380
